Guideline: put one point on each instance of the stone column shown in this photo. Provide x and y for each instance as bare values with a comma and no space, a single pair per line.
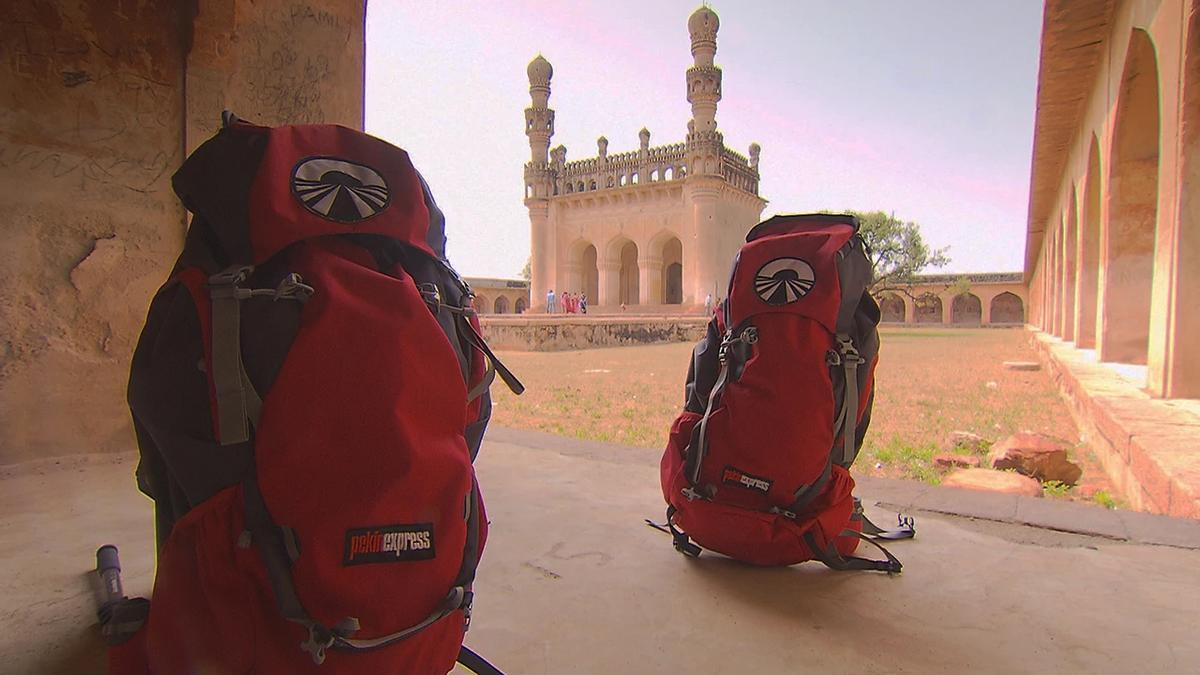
910,310
947,308
650,288
985,307
706,271
610,282
543,258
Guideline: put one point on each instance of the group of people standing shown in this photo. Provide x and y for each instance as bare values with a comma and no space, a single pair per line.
571,304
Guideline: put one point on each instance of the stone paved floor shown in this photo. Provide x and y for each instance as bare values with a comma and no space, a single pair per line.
573,582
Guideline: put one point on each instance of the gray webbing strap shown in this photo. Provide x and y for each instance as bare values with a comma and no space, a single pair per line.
807,493
695,459
489,376
850,361
228,374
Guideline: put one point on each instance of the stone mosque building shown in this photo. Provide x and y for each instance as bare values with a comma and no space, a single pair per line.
657,226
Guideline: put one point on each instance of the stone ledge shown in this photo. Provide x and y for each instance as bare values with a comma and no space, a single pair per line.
1150,448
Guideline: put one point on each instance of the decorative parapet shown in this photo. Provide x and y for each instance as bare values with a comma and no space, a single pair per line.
652,165
736,170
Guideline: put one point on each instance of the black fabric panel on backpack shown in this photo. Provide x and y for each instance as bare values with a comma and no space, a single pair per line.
214,184
702,373
181,463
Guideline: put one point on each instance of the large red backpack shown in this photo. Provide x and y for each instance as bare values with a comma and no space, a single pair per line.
778,399
309,394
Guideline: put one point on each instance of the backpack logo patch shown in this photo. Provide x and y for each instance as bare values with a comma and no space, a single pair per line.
388,543
339,190
784,280
739,478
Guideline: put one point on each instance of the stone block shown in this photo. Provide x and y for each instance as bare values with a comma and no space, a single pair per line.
966,440
1036,455
1022,365
1005,482
952,460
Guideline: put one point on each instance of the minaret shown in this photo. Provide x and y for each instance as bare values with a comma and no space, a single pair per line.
539,127
705,148
704,78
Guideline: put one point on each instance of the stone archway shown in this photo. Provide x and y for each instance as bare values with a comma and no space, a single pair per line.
583,261
966,309
1007,308
482,304
891,308
501,305
628,288
672,272
929,309
1089,251
520,306
1127,265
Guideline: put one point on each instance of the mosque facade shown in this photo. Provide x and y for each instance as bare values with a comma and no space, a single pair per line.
655,227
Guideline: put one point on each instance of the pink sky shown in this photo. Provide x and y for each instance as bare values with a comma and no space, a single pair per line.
924,109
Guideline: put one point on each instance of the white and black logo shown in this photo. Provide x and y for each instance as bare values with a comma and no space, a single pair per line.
339,190
784,280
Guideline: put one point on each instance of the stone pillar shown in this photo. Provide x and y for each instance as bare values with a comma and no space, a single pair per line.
650,288
910,309
706,273
543,254
610,282
947,308
269,61
100,108
985,306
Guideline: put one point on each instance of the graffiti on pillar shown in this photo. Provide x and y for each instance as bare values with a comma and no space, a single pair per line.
297,58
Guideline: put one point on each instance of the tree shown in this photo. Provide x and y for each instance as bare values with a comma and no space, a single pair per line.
525,272
897,251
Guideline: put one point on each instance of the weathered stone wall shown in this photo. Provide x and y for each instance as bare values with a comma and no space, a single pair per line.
558,333
98,101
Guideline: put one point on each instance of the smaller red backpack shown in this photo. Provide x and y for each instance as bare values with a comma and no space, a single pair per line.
778,400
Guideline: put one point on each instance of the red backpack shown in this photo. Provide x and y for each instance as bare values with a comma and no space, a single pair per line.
309,393
778,399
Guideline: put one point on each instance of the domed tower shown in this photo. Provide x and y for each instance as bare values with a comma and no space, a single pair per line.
705,261
539,180
539,118
704,78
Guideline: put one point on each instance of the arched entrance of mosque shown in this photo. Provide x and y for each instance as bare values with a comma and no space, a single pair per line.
1007,308
521,306
482,305
589,273
1127,268
1089,251
627,290
672,272
966,309
929,309
501,306
891,308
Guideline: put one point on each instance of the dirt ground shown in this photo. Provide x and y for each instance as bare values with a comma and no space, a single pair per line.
929,382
